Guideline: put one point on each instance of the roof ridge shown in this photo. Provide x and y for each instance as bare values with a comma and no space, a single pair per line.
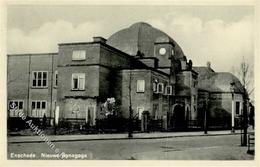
138,38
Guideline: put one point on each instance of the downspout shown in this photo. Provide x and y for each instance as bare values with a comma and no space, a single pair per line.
51,86
29,83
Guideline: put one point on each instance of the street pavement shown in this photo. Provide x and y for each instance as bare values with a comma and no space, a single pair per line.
197,147
155,135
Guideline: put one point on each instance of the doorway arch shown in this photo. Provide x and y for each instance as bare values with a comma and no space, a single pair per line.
177,119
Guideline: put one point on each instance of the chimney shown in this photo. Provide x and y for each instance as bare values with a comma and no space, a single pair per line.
99,39
208,64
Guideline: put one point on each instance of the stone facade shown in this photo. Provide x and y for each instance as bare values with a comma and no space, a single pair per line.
140,62
20,82
214,90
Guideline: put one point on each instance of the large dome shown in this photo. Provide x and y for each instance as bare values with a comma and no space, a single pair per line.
140,36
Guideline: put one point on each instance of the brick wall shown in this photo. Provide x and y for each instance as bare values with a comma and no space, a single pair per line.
145,99
18,79
224,101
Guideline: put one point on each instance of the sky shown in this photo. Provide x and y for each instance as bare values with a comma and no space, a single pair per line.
219,34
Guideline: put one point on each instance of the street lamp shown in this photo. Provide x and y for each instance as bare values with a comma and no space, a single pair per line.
205,108
232,90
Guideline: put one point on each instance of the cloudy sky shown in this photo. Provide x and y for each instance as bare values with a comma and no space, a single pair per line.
220,34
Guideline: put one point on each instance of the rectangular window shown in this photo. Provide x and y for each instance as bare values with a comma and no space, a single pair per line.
160,88
237,107
183,65
44,105
34,78
56,79
168,90
33,105
20,105
38,105
79,55
140,112
154,87
39,78
140,86
44,79
15,106
155,111
38,108
78,81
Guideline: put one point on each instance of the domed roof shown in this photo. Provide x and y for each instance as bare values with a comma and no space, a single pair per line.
140,36
220,82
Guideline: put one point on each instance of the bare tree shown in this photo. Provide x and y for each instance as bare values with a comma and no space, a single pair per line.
245,74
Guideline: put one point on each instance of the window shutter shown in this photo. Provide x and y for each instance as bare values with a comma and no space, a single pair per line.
78,81
82,82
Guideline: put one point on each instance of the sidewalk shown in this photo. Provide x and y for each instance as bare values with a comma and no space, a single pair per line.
152,135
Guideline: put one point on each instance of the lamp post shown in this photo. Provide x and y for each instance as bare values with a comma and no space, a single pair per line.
245,122
241,129
54,122
172,81
232,90
130,121
205,108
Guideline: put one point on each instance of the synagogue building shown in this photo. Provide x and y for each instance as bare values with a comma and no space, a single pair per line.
139,67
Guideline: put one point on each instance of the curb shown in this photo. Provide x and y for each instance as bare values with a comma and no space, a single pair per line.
125,138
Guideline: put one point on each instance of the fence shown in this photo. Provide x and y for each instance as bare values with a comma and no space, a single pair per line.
119,124
251,143
155,125
194,124
111,124
17,123
219,124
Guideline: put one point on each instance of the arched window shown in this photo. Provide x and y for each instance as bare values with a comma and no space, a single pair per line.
160,88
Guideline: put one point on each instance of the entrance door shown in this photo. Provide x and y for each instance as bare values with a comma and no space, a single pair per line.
90,115
179,117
